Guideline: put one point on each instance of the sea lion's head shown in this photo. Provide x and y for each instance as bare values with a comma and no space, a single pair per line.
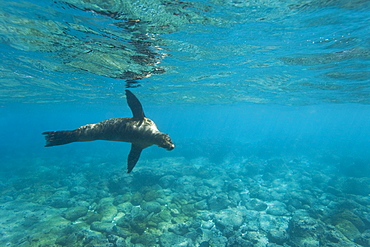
164,141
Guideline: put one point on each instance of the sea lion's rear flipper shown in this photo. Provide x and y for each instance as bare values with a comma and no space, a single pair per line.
135,105
133,157
55,138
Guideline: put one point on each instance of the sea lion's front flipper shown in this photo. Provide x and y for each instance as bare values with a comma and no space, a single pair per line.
133,157
135,105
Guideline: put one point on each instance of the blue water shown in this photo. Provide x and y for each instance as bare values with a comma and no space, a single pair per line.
267,103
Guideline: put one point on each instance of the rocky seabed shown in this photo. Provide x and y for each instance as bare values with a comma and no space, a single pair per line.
176,202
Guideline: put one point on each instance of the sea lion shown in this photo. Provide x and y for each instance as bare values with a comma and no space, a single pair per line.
140,131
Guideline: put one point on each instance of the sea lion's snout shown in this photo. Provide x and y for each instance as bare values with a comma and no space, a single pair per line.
169,144
172,146
166,142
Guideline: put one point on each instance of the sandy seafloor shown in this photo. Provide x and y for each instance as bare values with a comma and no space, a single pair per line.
204,193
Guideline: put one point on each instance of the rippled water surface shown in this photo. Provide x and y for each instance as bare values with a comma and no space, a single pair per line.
285,52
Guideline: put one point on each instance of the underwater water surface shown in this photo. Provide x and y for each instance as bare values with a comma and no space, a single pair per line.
267,103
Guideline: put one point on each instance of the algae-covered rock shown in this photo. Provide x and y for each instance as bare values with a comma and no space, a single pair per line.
106,209
151,193
82,203
124,221
309,242
94,239
278,236
357,186
122,199
179,229
165,215
249,239
206,215
350,216
106,201
218,202
138,227
31,220
175,211
167,181
201,205
144,239
237,241
170,239
261,192
207,224
348,229
236,184
305,231
67,240
134,222
234,198
125,207
268,222
70,235
233,217
77,190
277,209
60,199
364,239
103,227
136,198
203,191
256,204
108,212
92,217
152,207
188,210
305,225
74,213
119,231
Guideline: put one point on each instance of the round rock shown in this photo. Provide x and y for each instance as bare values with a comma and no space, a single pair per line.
230,217
152,207
74,213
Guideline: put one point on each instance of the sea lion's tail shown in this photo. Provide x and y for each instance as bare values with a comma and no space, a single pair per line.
54,138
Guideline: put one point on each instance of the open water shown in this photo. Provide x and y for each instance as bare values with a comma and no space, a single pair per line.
267,102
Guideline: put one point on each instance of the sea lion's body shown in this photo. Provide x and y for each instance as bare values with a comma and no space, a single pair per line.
138,130
142,133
